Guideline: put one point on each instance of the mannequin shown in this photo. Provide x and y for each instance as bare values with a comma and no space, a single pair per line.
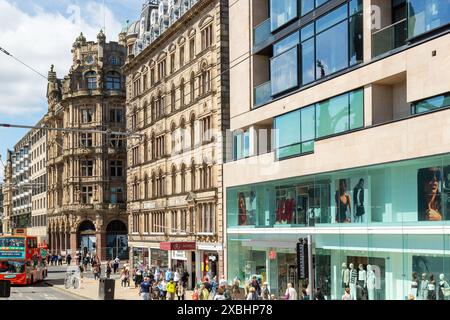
423,290
362,275
443,285
370,282
358,200
353,278
431,295
345,275
414,285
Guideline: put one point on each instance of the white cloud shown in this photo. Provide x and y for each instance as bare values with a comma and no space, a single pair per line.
40,40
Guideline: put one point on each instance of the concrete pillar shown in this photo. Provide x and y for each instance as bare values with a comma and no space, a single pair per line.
169,258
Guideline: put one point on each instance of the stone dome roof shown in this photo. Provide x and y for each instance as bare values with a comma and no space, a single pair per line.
133,28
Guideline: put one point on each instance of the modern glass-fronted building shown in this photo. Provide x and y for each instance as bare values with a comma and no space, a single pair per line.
343,138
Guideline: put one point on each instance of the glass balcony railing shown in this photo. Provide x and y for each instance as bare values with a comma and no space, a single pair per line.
389,38
263,94
261,32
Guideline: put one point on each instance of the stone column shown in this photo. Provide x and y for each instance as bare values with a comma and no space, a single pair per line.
189,268
60,247
101,244
73,243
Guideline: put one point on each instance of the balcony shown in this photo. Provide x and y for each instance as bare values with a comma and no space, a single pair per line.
263,94
389,38
261,32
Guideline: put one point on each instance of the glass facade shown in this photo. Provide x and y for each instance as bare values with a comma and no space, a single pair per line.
330,44
424,16
281,12
408,193
431,104
297,130
373,266
241,147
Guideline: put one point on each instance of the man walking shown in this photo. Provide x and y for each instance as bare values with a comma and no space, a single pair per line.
144,290
116,264
68,259
171,289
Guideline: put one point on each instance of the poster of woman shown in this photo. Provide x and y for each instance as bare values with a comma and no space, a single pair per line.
429,184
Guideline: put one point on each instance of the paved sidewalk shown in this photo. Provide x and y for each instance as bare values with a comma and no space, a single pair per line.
89,289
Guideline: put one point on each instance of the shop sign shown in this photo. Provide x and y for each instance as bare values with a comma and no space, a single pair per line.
212,258
179,255
177,246
302,259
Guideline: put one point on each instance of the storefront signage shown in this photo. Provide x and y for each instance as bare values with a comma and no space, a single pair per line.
179,255
302,259
177,245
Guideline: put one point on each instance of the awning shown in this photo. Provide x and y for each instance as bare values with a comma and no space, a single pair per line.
177,246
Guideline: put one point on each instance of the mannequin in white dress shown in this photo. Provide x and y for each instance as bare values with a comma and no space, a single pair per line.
345,275
370,282
362,277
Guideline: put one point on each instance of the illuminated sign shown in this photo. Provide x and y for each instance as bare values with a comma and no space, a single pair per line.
12,252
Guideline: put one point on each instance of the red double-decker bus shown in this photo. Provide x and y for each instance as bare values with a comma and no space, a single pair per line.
22,260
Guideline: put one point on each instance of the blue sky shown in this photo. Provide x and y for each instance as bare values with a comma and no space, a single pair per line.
41,33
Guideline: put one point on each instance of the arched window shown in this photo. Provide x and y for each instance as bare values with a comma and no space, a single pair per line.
146,191
192,87
182,134
91,80
153,146
152,109
192,127
205,79
183,178
173,98
174,180
145,111
145,148
182,94
154,189
173,138
162,183
113,81
193,176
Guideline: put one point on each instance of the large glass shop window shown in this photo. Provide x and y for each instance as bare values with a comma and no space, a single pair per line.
406,193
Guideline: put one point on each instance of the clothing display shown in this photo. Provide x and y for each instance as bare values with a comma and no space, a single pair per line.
285,210
414,288
358,202
423,289
345,276
431,290
341,208
371,281
353,279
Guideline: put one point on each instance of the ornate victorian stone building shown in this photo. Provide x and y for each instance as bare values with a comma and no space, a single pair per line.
86,170
177,98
